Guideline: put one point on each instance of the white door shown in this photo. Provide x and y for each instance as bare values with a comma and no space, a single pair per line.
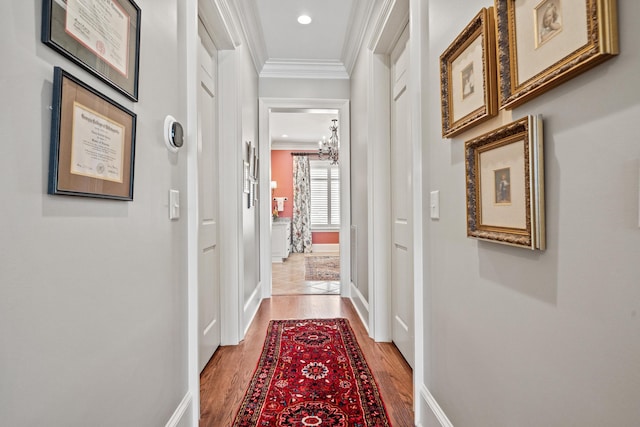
208,251
401,204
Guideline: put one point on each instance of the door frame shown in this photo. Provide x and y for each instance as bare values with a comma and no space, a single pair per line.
393,17
215,15
266,107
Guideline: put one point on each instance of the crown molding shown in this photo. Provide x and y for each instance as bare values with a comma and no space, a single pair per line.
359,18
247,13
294,146
310,69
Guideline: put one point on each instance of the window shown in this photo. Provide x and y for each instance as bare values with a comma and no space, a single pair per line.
325,195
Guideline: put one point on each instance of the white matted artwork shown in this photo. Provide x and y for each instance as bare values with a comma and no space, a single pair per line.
543,43
502,178
537,43
468,76
505,185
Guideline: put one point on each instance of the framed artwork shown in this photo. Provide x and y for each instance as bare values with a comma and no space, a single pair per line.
251,199
543,43
246,179
92,142
505,185
256,192
248,150
468,76
103,36
256,167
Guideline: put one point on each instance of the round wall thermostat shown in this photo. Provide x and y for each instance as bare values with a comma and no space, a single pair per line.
173,134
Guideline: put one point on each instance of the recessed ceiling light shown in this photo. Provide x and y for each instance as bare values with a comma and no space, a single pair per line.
285,135
304,19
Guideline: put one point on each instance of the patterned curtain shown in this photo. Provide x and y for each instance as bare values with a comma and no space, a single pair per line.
301,225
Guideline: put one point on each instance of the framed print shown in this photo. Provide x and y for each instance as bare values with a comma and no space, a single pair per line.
256,167
468,76
251,199
92,142
248,151
102,36
505,185
246,179
543,43
256,191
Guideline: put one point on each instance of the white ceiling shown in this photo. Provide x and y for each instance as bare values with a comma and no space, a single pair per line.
325,48
303,129
322,39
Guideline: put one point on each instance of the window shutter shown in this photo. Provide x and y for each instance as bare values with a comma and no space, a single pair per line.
325,194
335,196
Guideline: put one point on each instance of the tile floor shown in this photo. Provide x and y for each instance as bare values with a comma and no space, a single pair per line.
288,279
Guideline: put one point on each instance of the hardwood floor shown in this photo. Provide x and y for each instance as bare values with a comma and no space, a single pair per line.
224,380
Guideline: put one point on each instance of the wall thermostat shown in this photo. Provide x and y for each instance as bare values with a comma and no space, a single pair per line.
173,134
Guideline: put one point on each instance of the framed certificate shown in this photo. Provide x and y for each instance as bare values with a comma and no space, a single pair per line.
92,142
102,36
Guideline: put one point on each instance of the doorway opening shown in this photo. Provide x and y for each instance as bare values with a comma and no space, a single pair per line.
304,122
305,190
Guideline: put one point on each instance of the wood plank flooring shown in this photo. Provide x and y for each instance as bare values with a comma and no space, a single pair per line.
225,378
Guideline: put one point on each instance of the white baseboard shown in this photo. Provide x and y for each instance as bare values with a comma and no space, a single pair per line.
182,408
325,247
360,304
251,307
427,405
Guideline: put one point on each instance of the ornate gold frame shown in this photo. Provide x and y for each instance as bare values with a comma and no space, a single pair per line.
528,131
482,25
602,44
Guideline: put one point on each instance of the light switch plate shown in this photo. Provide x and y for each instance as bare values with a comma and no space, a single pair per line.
434,204
174,204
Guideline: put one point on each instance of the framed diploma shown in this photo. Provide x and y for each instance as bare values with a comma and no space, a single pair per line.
92,142
102,36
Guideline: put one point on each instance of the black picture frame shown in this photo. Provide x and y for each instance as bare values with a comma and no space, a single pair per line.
92,146
115,62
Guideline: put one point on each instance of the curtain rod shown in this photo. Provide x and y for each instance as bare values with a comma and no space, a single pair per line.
303,154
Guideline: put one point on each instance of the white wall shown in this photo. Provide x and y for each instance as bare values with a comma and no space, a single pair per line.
251,223
521,338
92,292
359,173
275,87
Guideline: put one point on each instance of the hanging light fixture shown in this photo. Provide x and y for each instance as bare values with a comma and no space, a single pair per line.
329,150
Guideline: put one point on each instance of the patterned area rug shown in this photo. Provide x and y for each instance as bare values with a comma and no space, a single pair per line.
321,268
312,373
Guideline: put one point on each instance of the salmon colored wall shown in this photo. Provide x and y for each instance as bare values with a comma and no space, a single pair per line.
282,172
325,237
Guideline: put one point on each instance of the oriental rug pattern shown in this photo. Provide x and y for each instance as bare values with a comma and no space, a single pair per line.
321,268
312,373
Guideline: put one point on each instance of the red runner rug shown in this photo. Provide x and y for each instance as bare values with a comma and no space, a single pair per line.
312,373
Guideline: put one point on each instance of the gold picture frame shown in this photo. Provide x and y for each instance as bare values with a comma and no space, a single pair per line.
505,185
468,76
543,43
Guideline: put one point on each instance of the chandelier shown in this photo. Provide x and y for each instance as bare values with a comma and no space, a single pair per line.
329,149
